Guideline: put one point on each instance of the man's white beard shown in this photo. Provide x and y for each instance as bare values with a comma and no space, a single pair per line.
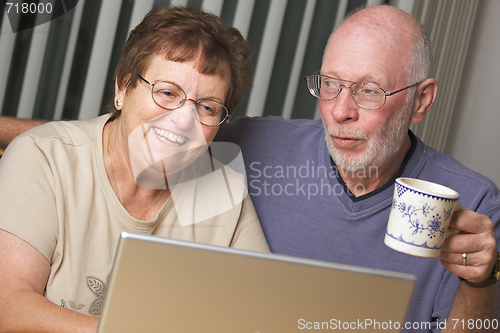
383,144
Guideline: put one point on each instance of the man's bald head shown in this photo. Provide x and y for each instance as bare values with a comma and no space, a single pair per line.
395,30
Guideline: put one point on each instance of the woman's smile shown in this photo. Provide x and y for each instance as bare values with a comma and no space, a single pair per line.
169,137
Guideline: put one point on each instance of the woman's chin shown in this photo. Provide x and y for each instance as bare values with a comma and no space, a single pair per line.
149,175
177,162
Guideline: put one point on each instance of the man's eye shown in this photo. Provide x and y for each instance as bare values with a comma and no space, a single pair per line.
331,85
367,91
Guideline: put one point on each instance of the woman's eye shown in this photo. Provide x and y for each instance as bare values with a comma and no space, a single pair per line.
206,108
167,94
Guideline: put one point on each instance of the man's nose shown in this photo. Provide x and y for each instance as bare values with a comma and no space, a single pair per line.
344,108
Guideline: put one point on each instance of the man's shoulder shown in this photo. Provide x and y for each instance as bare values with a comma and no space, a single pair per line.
472,186
277,121
244,126
448,164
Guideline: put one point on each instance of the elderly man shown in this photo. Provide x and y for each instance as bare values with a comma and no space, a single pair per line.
324,190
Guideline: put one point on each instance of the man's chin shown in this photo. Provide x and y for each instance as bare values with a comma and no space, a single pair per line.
351,164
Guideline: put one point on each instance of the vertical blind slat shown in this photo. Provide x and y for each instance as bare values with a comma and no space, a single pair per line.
432,20
213,6
454,36
406,5
342,9
266,56
101,49
179,2
449,24
371,3
33,69
298,60
68,59
7,41
140,9
463,39
243,16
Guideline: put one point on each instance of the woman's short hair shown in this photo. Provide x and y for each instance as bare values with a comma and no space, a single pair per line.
182,34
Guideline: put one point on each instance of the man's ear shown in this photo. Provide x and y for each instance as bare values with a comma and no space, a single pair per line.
425,97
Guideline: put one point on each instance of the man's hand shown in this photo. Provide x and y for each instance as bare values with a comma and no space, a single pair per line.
473,252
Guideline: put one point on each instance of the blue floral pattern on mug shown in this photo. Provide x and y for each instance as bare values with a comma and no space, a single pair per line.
434,221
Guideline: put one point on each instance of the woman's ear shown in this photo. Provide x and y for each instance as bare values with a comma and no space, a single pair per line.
120,91
425,96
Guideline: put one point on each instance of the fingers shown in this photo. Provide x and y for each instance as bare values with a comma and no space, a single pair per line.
477,241
469,258
471,222
474,267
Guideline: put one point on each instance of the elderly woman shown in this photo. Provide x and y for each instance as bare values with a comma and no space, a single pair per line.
70,188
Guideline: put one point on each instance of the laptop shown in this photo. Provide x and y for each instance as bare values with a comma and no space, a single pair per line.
165,285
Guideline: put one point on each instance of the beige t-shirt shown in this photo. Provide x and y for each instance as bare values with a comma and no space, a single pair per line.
56,196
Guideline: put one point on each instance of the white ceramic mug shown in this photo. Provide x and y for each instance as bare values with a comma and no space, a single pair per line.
420,214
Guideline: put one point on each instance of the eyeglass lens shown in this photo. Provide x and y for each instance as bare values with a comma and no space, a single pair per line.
364,94
171,96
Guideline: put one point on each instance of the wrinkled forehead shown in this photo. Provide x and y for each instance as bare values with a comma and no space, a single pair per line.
365,47
378,36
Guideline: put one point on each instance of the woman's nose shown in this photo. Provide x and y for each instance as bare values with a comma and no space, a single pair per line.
184,116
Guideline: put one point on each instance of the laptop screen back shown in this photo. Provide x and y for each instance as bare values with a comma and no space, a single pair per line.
164,285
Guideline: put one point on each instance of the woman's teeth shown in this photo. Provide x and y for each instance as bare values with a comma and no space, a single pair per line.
168,137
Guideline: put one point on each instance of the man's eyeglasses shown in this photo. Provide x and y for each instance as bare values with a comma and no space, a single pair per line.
365,95
170,96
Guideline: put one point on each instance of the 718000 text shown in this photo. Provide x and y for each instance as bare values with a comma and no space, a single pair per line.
475,324
31,8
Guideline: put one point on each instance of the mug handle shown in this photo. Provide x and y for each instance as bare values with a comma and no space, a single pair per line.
453,231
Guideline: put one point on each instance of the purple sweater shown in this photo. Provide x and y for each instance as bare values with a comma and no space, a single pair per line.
305,211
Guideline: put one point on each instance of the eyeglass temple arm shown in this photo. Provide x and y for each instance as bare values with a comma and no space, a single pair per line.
143,79
395,92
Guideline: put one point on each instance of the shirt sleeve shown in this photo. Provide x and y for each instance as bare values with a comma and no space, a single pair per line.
27,204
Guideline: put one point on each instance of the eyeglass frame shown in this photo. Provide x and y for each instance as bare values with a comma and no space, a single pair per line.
152,85
386,94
